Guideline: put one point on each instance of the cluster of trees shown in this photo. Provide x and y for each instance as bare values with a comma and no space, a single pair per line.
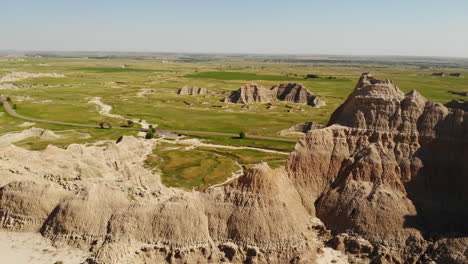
315,76
150,133
14,106
105,125
311,76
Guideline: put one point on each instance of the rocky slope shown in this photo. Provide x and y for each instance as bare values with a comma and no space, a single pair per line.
296,93
388,177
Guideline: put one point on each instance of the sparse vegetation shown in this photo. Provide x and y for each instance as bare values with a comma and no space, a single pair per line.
115,69
239,76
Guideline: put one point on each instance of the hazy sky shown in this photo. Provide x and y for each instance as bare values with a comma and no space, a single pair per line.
354,27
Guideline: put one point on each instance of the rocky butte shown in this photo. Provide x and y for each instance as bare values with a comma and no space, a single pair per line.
296,93
192,90
288,92
250,93
385,182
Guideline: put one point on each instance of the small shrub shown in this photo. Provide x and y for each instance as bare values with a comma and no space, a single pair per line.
130,123
14,106
242,135
149,135
311,76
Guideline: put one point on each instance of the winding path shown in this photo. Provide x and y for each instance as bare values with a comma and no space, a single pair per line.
12,112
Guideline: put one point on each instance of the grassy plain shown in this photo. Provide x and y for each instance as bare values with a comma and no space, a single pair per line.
202,167
145,88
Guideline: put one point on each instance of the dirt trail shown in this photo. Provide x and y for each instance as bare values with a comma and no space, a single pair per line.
234,176
194,143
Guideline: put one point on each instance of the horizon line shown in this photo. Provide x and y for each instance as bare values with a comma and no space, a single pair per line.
233,53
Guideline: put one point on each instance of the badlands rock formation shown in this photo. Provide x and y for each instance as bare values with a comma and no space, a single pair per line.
250,93
388,177
101,199
288,92
392,168
192,90
296,93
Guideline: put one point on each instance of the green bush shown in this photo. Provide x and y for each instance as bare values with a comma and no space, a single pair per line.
149,135
242,135
311,76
